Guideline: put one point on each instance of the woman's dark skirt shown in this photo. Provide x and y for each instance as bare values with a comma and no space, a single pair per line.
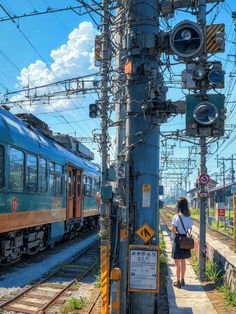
178,253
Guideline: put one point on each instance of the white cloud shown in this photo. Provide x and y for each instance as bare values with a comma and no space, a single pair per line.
74,58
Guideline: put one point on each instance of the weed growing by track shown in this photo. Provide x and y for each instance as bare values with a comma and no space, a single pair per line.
213,273
98,283
229,296
73,304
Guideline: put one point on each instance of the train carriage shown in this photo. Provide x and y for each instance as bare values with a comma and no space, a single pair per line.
47,191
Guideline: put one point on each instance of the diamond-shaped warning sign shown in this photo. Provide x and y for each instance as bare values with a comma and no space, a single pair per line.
145,233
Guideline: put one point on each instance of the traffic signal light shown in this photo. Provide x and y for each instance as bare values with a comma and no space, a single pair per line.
98,50
205,115
93,110
186,40
207,76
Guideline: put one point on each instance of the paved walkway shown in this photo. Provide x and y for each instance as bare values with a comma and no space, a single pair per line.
191,298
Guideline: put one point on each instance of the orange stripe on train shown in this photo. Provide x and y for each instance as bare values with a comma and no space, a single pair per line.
20,220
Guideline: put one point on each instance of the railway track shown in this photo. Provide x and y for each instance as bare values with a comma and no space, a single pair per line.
95,308
40,297
223,237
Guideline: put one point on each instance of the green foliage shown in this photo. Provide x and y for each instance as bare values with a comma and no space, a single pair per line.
73,304
230,297
103,234
221,227
195,262
98,283
194,212
163,258
212,271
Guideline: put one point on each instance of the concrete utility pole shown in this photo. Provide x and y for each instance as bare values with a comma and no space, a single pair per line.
142,133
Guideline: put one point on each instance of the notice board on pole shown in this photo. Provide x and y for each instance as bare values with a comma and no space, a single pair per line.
144,268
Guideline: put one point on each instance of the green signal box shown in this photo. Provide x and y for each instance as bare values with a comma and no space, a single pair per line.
205,115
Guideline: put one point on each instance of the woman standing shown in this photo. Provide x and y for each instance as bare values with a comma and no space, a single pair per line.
179,229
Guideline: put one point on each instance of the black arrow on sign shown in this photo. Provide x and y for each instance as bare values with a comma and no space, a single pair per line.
145,233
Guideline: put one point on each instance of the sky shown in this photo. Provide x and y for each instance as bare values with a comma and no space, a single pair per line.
47,48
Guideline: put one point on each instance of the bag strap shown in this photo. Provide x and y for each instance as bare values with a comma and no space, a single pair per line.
183,224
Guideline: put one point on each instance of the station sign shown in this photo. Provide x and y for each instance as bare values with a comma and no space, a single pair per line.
144,268
204,178
221,212
146,195
145,232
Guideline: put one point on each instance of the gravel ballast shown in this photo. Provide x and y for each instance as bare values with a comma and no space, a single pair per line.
20,277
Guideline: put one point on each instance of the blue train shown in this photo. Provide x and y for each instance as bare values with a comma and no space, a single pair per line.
49,188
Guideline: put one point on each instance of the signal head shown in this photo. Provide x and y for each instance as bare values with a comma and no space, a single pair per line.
205,113
186,39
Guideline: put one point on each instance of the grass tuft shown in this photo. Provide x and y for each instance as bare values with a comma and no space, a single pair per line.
98,283
212,272
229,296
73,304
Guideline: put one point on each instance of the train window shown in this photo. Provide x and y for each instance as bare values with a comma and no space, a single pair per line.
31,173
94,186
58,185
51,183
89,186
69,183
55,179
16,169
1,166
58,168
79,185
51,166
42,175
85,186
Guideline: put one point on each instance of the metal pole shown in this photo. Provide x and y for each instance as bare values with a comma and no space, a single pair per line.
203,169
105,206
123,166
202,230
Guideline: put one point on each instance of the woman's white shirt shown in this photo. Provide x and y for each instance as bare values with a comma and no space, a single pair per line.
187,221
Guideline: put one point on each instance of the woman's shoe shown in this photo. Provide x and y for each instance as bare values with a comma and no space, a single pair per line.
177,284
182,282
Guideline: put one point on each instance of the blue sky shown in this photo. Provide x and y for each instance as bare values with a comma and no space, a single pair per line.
63,47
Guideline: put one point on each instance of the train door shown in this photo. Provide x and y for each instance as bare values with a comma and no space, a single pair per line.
74,197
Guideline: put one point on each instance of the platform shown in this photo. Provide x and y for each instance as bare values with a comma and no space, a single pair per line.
191,298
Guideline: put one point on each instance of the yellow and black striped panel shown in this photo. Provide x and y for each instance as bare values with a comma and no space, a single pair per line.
105,273
211,31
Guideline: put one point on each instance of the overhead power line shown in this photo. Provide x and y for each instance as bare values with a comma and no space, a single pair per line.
48,11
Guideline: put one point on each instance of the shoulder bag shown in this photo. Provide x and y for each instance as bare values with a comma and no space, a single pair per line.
186,242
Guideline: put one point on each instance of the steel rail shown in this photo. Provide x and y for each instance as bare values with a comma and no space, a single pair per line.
7,304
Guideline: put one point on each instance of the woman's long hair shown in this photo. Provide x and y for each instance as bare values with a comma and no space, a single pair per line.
182,206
